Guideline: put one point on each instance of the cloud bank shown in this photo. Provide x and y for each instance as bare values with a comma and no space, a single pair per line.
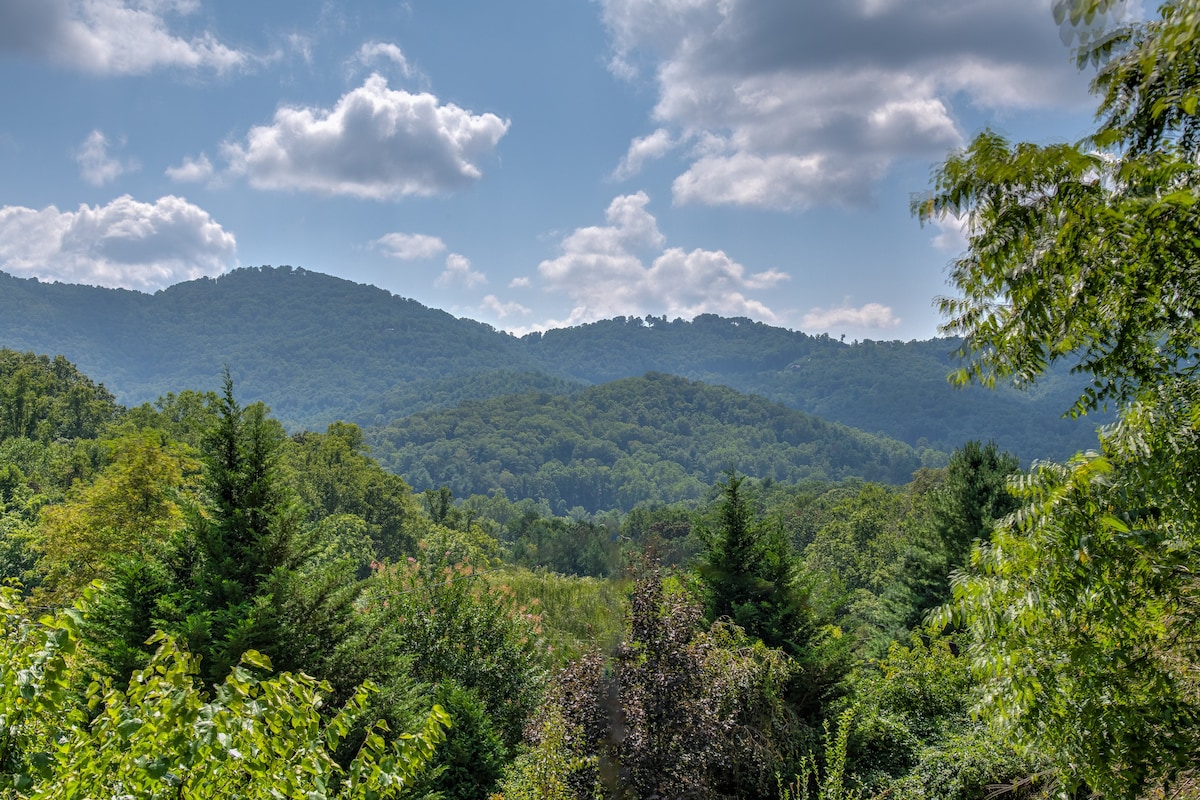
124,244
603,271
110,37
790,105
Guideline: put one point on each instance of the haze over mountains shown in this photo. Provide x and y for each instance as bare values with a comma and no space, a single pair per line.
317,349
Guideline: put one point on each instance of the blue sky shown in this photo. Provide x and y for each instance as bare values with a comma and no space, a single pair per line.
531,163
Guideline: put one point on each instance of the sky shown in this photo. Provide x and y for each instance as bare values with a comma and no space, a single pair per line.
531,164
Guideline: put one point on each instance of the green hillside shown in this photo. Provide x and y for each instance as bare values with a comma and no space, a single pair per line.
658,438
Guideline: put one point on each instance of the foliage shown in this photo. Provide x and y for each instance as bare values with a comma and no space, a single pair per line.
47,399
134,506
676,711
545,771
1083,604
334,475
750,576
573,615
961,510
470,761
457,627
914,736
827,782
164,737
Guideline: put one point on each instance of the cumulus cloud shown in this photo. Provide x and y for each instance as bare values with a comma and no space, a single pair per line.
111,36
459,273
376,143
602,271
126,243
192,170
790,105
643,149
870,315
96,166
501,309
520,283
409,246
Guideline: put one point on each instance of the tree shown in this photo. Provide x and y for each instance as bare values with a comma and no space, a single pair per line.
164,737
473,643
962,510
135,506
749,574
1084,603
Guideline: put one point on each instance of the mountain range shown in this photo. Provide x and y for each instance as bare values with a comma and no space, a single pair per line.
317,348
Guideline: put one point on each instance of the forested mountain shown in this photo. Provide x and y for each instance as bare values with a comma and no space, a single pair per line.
313,347
659,438
317,348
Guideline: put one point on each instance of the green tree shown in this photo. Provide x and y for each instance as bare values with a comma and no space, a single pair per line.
961,511
750,576
1083,604
134,506
165,737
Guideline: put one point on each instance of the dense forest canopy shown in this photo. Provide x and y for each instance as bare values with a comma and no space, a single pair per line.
657,438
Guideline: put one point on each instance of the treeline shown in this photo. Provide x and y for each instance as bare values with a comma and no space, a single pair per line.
653,439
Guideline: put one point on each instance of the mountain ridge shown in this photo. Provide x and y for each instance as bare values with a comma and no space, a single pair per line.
317,348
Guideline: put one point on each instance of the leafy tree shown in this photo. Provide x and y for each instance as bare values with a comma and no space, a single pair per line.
47,399
335,475
1083,604
457,627
164,737
676,711
914,735
134,506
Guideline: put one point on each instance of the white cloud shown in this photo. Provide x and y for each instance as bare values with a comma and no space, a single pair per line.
602,273
374,52
870,315
459,273
409,246
794,104
643,149
191,170
501,310
110,36
376,143
519,283
126,243
96,166
951,236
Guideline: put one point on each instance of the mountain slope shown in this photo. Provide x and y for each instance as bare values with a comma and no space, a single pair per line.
659,438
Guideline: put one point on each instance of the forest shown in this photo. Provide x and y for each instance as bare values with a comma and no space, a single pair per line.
204,600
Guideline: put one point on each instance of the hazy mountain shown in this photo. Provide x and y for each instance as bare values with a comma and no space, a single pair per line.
317,348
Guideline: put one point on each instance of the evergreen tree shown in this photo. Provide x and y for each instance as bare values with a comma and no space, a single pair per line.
749,573
962,510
